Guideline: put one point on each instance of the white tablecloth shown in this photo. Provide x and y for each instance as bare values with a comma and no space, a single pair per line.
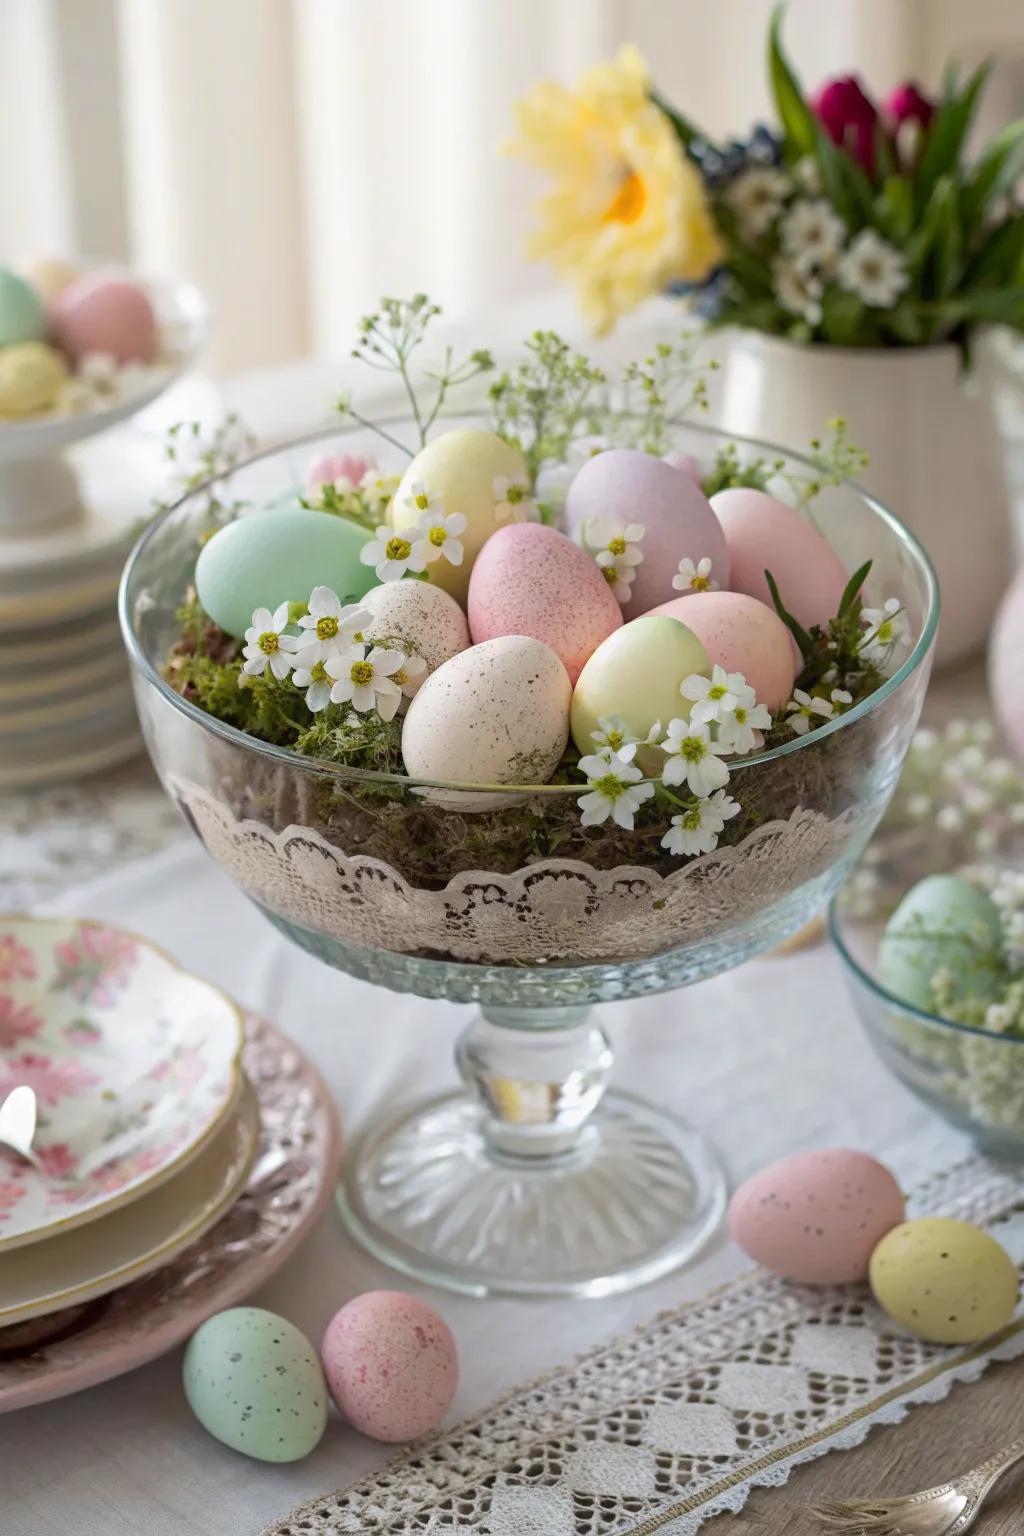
765,1059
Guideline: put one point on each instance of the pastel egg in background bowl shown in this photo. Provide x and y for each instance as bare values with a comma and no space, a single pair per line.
459,469
22,312
105,312
636,674
815,1217
741,635
532,580
623,486
762,534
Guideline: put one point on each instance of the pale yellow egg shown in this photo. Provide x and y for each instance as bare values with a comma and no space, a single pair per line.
32,376
636,674
945,1280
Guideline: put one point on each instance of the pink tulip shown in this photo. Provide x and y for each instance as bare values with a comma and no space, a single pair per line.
849,117
907,104
329,468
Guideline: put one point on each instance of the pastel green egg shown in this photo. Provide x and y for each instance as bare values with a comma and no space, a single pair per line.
945,1280
636,674
255,1383
22,311
946,923
279,556
459,469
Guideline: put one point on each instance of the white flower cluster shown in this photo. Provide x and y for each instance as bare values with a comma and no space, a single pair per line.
725,719
427,533
329,658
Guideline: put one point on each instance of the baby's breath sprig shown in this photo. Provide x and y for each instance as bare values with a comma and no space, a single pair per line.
203,458
387,339
670,382
549,398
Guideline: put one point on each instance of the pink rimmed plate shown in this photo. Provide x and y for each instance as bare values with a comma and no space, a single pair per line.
135,1064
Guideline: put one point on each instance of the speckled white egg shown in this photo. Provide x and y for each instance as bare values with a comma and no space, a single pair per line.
255,1383
625,487
426,620
764,534
636,674
391,1364
459,471
495,714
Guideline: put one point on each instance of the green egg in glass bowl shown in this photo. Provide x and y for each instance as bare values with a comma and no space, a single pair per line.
930,932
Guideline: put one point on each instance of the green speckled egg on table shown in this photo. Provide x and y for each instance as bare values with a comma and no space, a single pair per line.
255,1383
279,556
943,923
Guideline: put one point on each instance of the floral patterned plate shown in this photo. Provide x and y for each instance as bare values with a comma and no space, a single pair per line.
135,1065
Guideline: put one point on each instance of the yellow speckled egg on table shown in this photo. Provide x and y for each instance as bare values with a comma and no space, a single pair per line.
946,1280
636,674
458,470
495,714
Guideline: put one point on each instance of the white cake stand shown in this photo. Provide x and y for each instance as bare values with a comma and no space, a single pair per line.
37,484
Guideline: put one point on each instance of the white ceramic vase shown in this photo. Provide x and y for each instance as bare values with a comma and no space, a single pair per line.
930,431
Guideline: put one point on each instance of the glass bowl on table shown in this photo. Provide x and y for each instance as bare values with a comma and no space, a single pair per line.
533,1178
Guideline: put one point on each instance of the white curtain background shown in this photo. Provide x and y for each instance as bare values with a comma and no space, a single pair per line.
297,158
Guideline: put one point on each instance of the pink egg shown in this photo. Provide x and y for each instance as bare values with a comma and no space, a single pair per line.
104,313
624,487
688,463
764,534
1006,665
741,635
815,1217
391,1365
532,580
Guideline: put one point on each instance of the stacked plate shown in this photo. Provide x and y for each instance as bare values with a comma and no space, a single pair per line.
147,1128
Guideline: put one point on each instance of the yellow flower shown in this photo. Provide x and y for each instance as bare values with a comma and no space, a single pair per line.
627,213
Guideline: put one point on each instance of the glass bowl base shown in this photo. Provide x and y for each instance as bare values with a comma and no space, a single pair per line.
637,1195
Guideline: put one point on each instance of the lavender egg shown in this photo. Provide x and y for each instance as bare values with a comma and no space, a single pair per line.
624,487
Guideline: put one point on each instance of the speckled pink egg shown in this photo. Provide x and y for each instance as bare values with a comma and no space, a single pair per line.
764,534
1006,665
104,313
816,1216
391,1365
532,580
741,635
624,486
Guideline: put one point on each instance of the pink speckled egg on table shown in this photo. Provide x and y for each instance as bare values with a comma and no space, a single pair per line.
391,1365
532,580
764,534
816,1216
624,487
102,312
741,635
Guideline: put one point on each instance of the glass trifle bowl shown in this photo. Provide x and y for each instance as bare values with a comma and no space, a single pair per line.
533,1177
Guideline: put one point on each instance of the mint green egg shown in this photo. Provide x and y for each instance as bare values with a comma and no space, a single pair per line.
943,923
279,556
22,311
255,1383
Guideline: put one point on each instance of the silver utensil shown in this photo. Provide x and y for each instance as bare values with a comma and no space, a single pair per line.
944,1511
18,1122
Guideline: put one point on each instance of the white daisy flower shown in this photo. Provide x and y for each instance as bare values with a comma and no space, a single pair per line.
812,231
410,675
697,830
616,548
439,536
513,502
692,756
365,678
619,576
805,713
328,626
886,628
694,578
740,730
874,270
612,736
798,289
311,674
267,645
392,553
716,696
377,490
756,197
418,502
616,788
841,699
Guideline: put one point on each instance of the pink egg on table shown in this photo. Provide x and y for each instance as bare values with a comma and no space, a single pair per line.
741,635
625,488
816,1216
532,580
391,1365
764,534
1006,665
105,313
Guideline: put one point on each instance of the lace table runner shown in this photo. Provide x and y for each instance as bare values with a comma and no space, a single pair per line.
660,1430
